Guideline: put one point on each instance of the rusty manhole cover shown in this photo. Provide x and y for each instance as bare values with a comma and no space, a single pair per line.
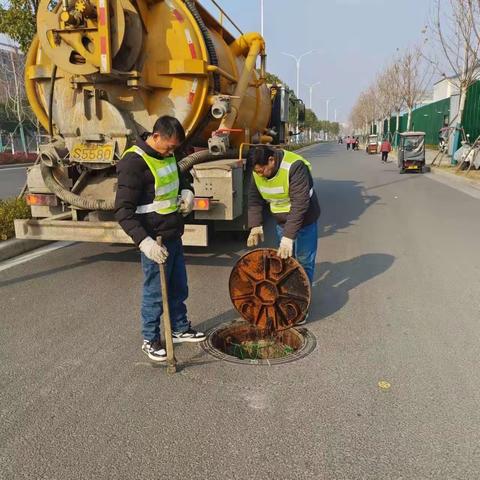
270,293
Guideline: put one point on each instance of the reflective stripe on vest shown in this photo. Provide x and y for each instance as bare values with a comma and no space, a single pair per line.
275,190
165,173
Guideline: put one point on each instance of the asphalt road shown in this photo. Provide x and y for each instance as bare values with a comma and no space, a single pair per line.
12,179
395,300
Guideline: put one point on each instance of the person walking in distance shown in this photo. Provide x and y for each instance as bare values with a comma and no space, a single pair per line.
348,142
385,148
152,199
283,181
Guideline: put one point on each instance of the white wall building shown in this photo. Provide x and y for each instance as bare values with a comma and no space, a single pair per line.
444,88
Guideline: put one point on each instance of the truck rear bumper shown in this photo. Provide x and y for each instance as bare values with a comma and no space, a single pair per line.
102,232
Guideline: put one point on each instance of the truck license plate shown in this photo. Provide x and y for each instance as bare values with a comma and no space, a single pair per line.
93,152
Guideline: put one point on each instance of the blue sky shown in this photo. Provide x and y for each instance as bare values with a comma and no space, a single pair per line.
355,39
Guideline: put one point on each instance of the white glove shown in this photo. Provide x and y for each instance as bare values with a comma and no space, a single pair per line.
186,202
286,248
152,250
255,237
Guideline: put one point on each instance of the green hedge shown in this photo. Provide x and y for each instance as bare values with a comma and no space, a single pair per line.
9,210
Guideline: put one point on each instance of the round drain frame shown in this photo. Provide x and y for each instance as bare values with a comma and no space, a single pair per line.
240,342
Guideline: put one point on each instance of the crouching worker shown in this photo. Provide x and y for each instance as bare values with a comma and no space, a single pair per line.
152,199
283,180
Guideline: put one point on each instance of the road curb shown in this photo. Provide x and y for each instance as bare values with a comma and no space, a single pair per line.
15,246
455,178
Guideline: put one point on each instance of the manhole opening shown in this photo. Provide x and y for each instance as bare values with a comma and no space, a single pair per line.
240,342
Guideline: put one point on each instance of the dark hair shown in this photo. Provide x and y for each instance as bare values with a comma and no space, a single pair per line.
261,155
169,127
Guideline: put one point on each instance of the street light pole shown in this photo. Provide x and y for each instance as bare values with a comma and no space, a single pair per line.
327,100
298,60
311,90
261,17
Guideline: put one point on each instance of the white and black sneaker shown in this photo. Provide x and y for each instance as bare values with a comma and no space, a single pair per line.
190,335
154,351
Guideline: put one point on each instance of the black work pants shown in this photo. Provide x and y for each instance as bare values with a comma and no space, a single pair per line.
384,156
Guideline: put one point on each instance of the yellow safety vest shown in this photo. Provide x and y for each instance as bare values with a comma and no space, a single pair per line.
165,173
275,190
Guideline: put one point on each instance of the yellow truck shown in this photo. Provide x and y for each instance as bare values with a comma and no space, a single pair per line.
100,72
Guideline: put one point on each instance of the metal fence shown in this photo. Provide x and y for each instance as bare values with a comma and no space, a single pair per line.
471,113
428,118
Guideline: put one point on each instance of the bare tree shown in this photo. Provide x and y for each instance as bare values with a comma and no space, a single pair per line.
389,94
365,111
414,76
12,90
456,33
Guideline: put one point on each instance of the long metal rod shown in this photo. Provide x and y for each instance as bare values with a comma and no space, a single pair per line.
225,14
167,325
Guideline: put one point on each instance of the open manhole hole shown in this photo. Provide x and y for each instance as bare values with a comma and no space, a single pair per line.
271,295
240,342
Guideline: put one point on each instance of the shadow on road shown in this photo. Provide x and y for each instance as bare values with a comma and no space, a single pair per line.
330,292
342,203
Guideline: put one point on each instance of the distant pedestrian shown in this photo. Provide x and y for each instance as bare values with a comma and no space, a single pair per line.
348,142
357,143
385,148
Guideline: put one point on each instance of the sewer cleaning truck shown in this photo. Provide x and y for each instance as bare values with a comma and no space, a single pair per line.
100,72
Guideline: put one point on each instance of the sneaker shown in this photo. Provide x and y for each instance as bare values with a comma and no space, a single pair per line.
154,351
190,335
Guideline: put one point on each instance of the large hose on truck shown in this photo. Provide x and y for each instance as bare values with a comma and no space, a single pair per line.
50,101
208,41
71,198
203,156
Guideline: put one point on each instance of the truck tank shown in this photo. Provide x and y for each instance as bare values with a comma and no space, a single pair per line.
99,73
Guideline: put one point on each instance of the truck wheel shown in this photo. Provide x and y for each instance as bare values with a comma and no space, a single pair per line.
425,169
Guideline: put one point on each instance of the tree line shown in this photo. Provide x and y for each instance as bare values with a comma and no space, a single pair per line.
449,48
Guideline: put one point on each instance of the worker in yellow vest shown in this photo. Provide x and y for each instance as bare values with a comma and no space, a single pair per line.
152,199
283,180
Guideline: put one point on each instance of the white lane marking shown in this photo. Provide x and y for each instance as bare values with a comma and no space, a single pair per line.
13,168
39,252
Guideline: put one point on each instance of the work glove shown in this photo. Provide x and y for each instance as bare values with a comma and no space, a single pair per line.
186,202
286,248
152,250
255,237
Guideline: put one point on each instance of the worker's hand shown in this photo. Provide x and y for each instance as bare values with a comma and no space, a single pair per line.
152,250
255,237
186,202
286,248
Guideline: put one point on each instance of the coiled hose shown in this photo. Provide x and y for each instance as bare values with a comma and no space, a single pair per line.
208,41
71,198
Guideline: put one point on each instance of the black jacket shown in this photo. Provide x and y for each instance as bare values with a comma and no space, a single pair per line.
304,210
136,186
